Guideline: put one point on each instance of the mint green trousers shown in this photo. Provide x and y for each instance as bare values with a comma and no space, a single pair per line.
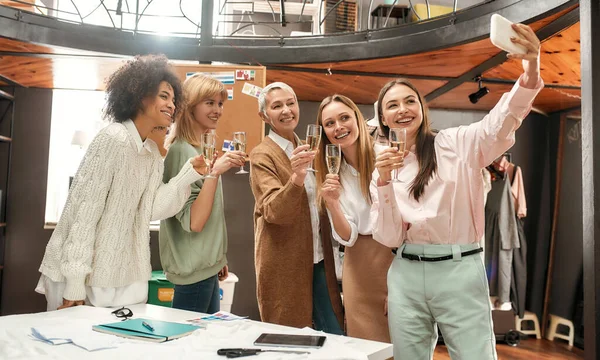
452,294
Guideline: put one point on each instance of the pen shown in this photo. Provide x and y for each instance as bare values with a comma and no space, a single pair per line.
147,326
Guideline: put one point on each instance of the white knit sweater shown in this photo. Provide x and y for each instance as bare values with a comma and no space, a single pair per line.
103,236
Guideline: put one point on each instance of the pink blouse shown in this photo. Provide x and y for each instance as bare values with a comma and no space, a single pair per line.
451,209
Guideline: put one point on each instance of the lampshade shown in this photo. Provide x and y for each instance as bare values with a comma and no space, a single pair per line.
80,138
375,120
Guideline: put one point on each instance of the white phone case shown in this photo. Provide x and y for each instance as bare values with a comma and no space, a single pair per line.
500,34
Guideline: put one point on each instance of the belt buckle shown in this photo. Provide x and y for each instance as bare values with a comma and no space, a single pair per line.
418,257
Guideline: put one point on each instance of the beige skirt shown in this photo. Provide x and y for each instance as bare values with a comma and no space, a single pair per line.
364,284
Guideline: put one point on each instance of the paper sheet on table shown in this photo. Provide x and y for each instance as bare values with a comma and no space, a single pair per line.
78,333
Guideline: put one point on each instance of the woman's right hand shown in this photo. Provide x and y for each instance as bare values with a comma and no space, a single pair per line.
388,160
227,161
300,160
69,303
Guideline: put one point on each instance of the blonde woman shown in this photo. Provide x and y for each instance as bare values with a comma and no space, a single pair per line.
193,243
348,203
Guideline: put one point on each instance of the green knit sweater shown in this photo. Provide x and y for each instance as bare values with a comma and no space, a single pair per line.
188,257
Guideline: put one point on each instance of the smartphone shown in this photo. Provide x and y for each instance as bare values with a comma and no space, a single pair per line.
288,340
500,33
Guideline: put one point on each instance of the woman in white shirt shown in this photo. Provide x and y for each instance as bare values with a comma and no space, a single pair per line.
348,204
99,252
434,215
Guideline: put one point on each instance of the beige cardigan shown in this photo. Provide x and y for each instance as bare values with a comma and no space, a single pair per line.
284,242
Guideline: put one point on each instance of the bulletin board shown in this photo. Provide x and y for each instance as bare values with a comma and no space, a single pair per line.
240,111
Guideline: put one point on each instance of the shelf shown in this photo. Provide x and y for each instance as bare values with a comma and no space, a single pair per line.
6,96
5,139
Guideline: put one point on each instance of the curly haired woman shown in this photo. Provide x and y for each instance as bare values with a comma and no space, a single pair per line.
99,253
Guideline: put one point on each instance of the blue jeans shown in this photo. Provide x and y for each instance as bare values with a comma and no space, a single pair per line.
323,315
202,296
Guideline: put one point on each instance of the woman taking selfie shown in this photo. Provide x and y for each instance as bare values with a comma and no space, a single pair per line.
432,211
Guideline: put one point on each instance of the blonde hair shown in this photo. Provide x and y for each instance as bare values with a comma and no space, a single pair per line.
195,89
366,154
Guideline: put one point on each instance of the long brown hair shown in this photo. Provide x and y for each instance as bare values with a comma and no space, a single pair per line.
425,149
366,154
195,89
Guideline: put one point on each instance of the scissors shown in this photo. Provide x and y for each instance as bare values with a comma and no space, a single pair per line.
241,352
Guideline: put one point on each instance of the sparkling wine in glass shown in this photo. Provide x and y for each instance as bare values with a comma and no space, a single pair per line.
208,151
333,158
398,141
313,137
239,144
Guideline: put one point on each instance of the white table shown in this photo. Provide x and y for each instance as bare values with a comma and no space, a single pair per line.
17,343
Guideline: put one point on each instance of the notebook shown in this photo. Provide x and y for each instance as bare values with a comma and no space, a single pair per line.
134,329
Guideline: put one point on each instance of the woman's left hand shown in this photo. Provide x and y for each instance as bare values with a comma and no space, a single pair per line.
224,273
385,306
199,164
531,60
331,189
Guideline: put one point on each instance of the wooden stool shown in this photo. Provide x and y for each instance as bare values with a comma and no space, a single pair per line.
529,316
552,333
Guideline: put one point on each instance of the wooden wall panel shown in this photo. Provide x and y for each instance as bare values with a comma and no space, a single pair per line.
361,89
63,72
240,114
560,65
560,59
11,45
19,5
451,62
548,100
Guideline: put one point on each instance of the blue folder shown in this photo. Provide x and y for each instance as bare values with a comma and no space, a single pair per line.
133,329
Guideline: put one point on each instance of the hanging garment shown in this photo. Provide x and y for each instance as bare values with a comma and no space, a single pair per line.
518,191
518,286
501,237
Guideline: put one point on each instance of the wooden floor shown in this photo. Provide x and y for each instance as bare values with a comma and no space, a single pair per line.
530,349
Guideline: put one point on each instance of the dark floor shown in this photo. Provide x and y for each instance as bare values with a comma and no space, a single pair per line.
529,349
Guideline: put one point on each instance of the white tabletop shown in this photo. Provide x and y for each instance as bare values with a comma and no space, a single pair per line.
16,341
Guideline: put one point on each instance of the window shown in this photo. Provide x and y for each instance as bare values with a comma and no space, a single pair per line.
76,119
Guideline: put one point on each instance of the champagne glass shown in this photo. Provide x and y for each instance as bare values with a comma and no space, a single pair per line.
239,144
313,137
208,151
333,158
398,141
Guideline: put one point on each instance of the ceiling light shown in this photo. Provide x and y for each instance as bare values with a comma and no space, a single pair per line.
474,97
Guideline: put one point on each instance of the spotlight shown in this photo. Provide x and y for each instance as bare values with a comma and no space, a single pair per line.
474,97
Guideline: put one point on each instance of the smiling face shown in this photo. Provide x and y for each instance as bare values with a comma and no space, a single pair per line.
401,108
282,112
208,112
340,124
160,108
